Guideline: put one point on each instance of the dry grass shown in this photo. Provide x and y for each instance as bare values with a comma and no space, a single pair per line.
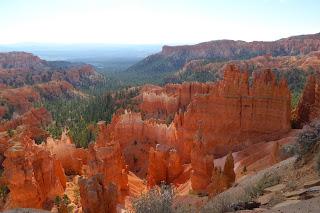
156,200
248,188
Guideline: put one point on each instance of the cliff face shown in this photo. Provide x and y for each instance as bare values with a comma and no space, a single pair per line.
234,112
172,58
32,174
165,102
308,107
283,63
230,49
230,114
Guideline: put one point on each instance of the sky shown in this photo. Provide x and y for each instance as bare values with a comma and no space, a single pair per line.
154,21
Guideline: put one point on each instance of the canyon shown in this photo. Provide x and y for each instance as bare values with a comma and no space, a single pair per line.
200,138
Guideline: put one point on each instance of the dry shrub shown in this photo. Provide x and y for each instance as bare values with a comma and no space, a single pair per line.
268,180
308,141
156,200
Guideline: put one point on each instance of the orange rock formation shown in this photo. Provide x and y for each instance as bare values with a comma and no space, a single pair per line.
71,158
33,176
229,113
164,165
106,175
205,177
96,196
309,104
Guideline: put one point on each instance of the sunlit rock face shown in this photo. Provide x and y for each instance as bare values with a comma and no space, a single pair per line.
205,177
137,136
309,105
234,113
105,180
163,103
164,165
230,113
71,158
33,175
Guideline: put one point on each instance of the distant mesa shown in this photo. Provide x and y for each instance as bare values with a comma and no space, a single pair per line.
172,58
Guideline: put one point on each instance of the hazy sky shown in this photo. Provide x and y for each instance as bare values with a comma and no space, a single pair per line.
154,22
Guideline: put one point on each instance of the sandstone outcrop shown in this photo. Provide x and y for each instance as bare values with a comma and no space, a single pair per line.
164,165
165,102
235,112
105,157
202,166
231,114
71,158
136,137
309,105
105,175
109,162
33,176
228,170
205,177
96,196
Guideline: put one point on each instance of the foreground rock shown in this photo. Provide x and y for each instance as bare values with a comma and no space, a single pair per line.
105,180
33,176
164,165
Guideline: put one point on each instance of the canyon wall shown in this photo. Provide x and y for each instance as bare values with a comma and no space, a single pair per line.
234,113
308,107
230,113
164,102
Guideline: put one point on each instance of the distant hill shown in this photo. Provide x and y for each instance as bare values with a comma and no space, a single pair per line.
20,68
173,58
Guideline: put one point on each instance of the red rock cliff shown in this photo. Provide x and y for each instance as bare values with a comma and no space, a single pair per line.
309,104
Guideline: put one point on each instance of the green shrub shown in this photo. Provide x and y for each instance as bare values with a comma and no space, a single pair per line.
4,191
